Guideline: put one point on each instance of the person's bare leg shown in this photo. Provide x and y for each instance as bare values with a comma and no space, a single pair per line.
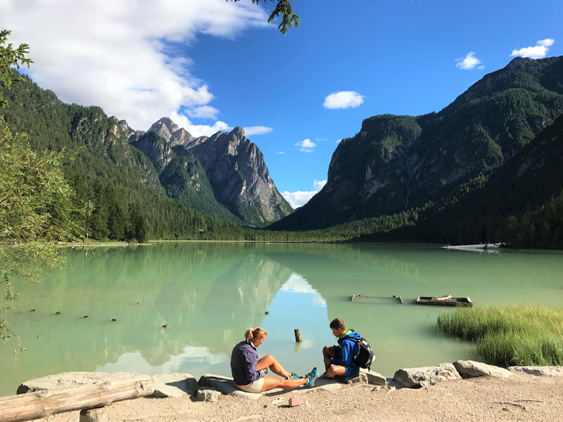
269,361
328,354
335,370
272,382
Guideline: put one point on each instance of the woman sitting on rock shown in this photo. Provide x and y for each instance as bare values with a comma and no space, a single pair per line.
249,372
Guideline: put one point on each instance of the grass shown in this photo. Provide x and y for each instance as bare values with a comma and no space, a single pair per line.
510,336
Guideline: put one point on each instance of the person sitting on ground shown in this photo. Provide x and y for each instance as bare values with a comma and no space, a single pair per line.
339,360
249,372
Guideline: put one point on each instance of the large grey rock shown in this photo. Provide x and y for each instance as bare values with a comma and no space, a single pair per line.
209,395
174,385
540,371
69,379
226,386
363,377
471,369
429,375
371,377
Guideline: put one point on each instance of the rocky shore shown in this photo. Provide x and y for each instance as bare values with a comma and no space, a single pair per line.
464,390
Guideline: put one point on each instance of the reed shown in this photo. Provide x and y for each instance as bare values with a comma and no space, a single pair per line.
509,336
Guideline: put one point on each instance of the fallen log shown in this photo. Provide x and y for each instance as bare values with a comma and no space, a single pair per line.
40,404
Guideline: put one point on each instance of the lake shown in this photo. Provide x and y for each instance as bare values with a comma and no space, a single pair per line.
210,293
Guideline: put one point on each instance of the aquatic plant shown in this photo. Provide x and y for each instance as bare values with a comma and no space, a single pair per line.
509,336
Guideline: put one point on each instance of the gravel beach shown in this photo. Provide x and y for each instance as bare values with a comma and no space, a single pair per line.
521,397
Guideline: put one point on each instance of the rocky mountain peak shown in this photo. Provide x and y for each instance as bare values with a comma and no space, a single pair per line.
165,127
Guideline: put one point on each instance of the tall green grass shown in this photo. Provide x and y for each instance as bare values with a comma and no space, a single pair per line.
510,336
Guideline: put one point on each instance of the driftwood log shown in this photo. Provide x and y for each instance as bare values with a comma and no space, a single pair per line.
40,404
298,335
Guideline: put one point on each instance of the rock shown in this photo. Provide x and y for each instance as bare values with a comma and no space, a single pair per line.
174,385
471,369
540,371
371,377
209,395
294,401
68,379
428,375
363,377
94,415
226,386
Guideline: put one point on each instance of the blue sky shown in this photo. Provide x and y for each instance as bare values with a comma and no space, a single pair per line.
212,65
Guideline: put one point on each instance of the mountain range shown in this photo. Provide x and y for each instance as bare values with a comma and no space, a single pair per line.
488,167
397,163
223,175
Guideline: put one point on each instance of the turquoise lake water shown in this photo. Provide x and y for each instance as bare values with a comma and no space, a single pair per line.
210,293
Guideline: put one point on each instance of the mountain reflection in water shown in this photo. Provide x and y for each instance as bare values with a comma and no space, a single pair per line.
210,293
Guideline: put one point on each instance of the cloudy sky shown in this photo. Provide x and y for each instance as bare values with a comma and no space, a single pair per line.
212,65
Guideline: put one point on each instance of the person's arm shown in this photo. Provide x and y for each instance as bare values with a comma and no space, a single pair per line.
337,359
250,367
347,352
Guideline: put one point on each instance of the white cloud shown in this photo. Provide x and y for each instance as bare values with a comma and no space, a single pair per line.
297,284
318,184
198,130
306,145
469,62
119,55
257,130
538,51
343,99
204,112
300,198
280,152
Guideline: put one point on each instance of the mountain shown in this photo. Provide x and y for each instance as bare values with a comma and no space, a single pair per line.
396,163
117,181
181,174
529,184
225,165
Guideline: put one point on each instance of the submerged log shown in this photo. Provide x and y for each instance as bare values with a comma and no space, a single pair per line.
40,404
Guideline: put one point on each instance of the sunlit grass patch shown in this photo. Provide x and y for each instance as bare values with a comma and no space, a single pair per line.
509,336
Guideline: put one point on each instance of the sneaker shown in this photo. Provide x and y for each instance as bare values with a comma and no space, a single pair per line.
294,376
312,377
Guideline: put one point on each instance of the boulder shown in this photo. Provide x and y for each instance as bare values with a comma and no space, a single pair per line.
540,371
174,385
226,386
364,377
471,369
209,395
422,377
68,379
371,377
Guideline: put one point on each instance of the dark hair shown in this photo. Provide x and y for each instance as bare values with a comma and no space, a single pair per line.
254,334
338,323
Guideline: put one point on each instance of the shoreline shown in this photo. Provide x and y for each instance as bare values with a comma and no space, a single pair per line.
520,396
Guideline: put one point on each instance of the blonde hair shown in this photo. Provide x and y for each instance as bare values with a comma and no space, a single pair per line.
254,334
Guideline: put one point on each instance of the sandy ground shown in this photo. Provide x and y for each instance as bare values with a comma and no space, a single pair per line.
520,397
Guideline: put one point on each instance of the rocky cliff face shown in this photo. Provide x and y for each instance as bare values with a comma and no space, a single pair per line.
398,162
241,181
228,164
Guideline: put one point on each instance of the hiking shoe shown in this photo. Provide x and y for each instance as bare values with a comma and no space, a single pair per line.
312,377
